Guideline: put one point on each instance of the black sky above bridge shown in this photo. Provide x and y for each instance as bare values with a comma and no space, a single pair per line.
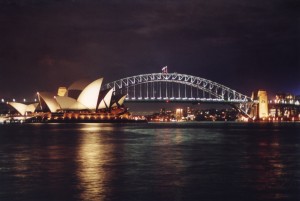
245,45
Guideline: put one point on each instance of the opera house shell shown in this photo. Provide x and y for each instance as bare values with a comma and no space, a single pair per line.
81,98
23,108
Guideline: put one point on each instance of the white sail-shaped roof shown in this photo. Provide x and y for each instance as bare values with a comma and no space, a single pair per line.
67,103
89,96
50,101
105,102
20,107
31,107
120,101
23,108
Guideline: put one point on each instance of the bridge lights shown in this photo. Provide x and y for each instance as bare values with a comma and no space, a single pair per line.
2,100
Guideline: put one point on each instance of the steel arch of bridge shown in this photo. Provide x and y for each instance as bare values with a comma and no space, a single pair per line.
140,88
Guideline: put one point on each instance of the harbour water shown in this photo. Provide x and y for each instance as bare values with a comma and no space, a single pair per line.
154,161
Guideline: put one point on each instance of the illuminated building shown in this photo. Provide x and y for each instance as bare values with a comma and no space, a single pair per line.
285,106
81,101
286,98
179,113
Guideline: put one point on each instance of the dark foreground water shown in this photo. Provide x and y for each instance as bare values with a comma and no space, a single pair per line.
157,162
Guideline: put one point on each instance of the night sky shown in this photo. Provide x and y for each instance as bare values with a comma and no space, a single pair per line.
243,44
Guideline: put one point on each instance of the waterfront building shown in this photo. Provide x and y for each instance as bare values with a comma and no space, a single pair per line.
179,114
285,106
81,100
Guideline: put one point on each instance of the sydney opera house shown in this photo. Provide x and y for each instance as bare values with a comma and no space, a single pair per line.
82,101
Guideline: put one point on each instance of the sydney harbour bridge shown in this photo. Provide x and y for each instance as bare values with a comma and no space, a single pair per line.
176,87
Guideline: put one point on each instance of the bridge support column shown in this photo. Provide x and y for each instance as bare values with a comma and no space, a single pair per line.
263,111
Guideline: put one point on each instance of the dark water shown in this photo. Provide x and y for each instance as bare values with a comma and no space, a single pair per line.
188,161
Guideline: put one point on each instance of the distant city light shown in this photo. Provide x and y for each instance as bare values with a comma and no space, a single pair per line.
35,100
2,100
24,100
14,100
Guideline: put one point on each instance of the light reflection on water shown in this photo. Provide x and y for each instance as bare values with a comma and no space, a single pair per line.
149,162
92,155
95,157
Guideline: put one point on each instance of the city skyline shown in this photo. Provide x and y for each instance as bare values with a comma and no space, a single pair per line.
243,45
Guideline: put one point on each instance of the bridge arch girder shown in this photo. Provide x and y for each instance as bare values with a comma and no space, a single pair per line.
208,86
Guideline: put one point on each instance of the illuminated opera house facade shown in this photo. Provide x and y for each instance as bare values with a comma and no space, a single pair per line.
82,101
